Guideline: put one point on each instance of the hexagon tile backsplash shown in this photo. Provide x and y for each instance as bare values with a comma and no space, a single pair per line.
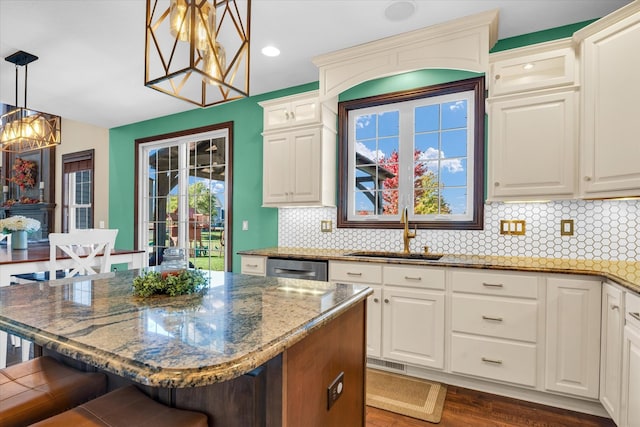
603,229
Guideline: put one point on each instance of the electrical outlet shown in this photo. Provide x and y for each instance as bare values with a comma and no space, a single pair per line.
334,391
326,226
566,227
245,225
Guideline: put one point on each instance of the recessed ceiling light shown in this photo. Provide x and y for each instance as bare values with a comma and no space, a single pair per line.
399,10
270,51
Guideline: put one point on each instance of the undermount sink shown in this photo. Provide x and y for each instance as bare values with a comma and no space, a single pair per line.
402,255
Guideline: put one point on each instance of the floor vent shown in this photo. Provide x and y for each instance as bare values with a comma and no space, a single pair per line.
386,365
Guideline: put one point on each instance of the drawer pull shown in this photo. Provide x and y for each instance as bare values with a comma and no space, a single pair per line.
493,361
251,265
493,285
635,316
494,319
349,273
376,300
412,278
615,307
386,301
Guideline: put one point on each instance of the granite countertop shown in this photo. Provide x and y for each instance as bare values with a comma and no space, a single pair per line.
239,323
625,273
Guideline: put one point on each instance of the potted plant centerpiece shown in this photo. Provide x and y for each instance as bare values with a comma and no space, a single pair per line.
19,226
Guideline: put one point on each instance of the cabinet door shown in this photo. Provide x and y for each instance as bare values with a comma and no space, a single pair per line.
276,116
532,146
275,169
630,414
611,362
374,323
305,166
611,151
305,111
413,329
573,336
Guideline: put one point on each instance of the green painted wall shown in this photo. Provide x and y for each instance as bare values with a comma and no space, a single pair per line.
246,115
247,167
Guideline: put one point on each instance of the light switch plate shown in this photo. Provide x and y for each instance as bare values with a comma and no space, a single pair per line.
326,226
513,227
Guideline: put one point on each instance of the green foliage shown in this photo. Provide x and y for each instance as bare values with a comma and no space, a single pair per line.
181,282
202,199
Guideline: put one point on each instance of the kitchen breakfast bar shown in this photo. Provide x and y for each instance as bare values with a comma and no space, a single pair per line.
248,351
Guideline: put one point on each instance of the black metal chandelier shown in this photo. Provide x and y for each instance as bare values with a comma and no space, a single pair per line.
22,129
198,50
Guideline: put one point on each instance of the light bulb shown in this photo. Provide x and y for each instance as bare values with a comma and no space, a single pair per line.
179,20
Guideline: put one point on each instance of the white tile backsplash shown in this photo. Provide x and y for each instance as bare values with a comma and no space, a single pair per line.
604,229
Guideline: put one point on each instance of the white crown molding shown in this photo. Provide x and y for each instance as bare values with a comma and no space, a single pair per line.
606,21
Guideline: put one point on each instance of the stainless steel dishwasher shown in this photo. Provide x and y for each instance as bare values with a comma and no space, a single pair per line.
297,269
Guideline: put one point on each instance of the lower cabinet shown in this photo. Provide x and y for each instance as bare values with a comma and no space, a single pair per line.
611,349
413,326
374,322
572,362
630,405
253,265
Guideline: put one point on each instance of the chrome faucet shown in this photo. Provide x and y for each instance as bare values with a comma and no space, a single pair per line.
407,235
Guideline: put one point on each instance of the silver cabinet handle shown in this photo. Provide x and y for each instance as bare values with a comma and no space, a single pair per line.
493,285
494,361
251,265
635,316
376,300
494,319
386,301
587,178
349,273
286,115
412,278
615,307
293,115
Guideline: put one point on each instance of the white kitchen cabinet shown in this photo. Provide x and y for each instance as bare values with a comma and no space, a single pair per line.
630,403
374,322
533,145
610,149
291,111
573,336
253,265
494,326
533,123
298,153
413,326
611,349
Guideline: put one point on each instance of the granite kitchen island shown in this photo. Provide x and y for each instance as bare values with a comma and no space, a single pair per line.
249,351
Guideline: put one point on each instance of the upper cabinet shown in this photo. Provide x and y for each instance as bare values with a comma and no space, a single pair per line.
533,123
610,156
299,142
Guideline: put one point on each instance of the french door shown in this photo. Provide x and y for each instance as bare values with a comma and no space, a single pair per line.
183,197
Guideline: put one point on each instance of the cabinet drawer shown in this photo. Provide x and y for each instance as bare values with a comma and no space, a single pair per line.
255,265
495,317
510,285
494,359
414,277
632,304
355,272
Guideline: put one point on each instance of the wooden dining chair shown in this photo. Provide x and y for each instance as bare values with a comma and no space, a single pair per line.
89,251
81,252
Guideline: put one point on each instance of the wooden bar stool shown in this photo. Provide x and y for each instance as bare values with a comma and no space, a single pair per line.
40,388
125,407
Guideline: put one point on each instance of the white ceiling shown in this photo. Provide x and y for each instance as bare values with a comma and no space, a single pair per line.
91,66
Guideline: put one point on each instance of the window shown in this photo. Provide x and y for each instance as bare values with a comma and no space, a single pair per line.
421,149
77,191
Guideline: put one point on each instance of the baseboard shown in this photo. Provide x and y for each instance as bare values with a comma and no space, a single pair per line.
593,407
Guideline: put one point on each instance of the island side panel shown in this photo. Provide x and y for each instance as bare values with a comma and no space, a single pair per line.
311,365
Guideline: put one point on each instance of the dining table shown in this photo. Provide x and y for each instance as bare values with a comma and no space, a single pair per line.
35,259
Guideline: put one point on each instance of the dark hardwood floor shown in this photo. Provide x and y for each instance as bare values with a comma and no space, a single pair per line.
464,407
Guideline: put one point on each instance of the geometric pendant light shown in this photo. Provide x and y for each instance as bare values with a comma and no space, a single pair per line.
22,129
198,50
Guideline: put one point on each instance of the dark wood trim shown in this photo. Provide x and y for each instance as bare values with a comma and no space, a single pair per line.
229,180
78,156
477,85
